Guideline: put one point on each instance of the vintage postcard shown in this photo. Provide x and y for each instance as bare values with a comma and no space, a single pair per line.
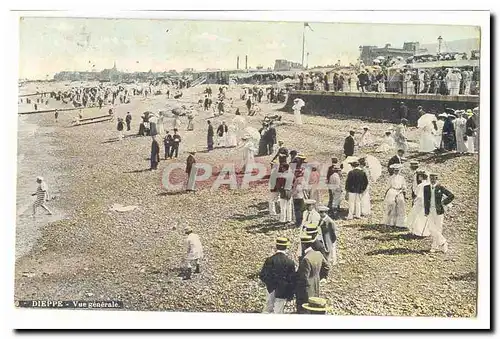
275,167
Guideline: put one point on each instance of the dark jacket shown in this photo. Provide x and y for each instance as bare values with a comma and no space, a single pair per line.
155,151
356,181
439,191
128,118
210,132
221,130
176,139
167,141
190,161
349,146
470,126
271,135
278,273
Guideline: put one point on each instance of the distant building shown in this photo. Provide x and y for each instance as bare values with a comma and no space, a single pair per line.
285,65
370,53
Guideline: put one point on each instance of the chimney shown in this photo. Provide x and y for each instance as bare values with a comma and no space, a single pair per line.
246,61
238,62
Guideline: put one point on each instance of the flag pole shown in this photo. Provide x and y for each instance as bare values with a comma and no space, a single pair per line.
303,43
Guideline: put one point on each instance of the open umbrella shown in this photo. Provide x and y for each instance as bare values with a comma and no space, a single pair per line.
426,120
253,134
346,166
374,166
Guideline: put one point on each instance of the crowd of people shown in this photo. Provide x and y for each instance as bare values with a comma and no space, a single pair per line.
290,275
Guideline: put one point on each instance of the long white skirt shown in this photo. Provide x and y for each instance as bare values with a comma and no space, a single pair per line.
461,146
366,207
417,222
470,144
298,117
394,208
232,141
427,142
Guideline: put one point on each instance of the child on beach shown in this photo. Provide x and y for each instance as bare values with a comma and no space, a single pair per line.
41,196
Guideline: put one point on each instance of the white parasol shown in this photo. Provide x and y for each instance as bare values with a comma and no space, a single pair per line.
376,61
374,166
426,120
253,134
299,103
346,166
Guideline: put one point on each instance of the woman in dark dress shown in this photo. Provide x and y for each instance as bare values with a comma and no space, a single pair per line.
449,138
210,136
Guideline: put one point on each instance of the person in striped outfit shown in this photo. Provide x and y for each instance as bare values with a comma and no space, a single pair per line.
41,196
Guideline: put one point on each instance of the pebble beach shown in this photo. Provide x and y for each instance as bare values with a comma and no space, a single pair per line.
86,251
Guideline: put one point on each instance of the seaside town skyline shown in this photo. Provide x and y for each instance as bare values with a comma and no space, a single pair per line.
162,45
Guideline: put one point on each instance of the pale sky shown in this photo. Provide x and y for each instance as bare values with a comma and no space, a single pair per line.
50,45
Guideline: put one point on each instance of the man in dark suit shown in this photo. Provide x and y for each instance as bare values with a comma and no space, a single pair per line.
312,268
434,211
397,159
349,144
176,140
355,184
271,138
279,276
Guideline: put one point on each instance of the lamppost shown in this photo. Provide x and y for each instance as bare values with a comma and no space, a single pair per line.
307,60
440,40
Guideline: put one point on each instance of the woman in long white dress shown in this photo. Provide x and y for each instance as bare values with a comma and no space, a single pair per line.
249,151
417,221
395,199
387,144
400,136
298,104
232,140
427,138
366,138
459,125
366,206
438,134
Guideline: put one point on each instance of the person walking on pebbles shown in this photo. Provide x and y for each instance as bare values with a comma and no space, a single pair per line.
191,171
176,140
155,154
194,253
119,127
312,267
434,207
128,120
395,199
349,144
42,196
355,184
279,276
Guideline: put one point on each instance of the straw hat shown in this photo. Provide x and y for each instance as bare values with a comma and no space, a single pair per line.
316,304
306,239
282,241
396,166
309,201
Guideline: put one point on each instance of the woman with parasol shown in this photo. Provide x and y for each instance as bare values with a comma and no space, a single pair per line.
395,199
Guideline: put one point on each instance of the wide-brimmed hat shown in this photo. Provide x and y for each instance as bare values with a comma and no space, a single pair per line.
39,178
282,241
323,208
188,229
396,166
443,115
192,152
414,162
316,304
433,174
309,201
